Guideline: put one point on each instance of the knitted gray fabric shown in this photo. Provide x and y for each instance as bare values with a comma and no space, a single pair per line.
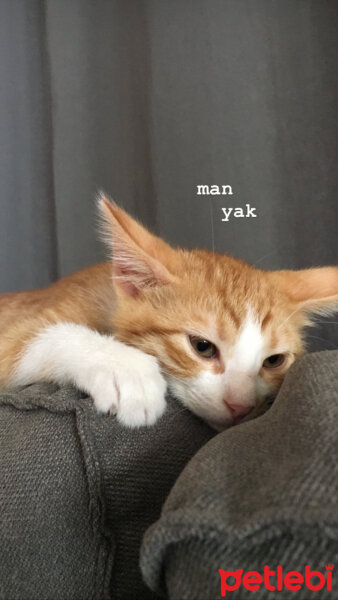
262,493
77,492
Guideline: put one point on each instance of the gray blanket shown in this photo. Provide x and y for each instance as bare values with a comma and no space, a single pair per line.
77,492
262,493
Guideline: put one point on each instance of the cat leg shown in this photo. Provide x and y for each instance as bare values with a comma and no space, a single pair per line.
121,379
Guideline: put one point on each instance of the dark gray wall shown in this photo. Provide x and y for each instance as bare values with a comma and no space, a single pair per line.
148,99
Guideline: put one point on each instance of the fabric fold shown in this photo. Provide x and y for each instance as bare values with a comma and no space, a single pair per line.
262,493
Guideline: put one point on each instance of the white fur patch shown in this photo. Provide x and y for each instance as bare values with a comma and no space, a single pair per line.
203,395
247,352
121,379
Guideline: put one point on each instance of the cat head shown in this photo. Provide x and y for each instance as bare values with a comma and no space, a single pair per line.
224,332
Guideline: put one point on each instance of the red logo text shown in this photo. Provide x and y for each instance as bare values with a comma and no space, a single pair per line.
276,580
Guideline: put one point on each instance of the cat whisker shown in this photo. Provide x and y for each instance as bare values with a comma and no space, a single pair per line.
178,413
267,255
288,317
318,322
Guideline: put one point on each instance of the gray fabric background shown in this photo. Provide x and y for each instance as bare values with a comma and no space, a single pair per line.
78,491
148,99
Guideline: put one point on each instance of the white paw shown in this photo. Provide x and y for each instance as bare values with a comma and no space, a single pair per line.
131,387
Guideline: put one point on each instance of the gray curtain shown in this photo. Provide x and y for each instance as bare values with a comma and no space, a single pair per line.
147,100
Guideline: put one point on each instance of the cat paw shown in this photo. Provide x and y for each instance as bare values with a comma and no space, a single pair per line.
132,388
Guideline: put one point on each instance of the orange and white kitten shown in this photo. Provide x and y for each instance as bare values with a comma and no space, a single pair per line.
220,333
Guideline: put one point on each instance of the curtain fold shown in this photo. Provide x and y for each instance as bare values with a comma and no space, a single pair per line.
28,236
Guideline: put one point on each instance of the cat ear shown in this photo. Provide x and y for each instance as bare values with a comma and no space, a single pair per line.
313,290
138,256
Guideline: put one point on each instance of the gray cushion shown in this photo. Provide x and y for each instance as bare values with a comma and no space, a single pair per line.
77,492
262,493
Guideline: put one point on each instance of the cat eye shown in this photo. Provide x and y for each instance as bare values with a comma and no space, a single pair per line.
203,347
274,361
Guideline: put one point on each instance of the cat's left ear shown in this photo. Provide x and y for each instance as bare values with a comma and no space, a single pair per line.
140,259
313,290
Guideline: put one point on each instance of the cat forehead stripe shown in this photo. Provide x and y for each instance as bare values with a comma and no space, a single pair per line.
248,348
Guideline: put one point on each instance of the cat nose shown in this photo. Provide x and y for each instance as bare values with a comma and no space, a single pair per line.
238,410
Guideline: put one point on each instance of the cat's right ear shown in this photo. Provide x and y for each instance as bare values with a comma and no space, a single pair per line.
140,259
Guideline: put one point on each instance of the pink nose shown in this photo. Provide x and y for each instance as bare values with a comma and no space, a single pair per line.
238,410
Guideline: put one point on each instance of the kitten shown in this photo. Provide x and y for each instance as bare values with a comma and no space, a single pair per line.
220,333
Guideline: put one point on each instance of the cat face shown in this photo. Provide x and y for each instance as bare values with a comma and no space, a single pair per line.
225,333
